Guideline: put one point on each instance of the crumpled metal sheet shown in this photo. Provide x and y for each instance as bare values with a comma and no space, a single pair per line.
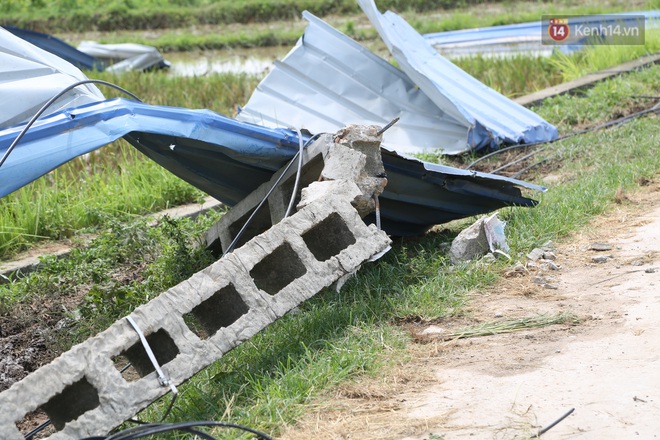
131,56
247,152
491,118
328,81
58,47
228,159
30,76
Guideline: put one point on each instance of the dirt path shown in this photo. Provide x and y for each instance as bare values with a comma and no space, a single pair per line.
508,386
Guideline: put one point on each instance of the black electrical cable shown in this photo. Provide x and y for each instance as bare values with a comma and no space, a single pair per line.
607,124
37,430
144,431
51,101
553,424
561,138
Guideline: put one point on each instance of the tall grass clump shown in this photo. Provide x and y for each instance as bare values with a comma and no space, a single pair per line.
600,57
512,76
115,183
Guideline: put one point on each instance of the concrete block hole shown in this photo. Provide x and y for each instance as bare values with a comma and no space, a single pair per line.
329,237
278,270
74,401
221,310
161,344
259,224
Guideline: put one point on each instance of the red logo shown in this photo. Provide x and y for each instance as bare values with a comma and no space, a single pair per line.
558,29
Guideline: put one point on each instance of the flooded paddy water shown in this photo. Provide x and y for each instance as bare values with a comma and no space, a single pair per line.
251,61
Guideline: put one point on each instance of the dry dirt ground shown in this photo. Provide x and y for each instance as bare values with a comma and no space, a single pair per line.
505,386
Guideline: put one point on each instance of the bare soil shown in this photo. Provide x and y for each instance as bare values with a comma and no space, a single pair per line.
504,386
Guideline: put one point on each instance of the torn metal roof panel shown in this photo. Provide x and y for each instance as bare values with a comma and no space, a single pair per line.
527,37
328,81
30,76
236,155
493,119
58,47
228,159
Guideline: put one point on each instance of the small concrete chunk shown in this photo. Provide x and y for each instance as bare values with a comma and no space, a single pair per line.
600,247
471,243
535,254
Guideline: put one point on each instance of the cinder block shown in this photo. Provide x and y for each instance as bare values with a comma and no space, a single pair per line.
196,322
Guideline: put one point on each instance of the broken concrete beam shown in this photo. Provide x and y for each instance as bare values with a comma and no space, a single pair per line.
353,154
85,393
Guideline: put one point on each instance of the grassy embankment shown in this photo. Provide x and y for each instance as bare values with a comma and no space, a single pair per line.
339,337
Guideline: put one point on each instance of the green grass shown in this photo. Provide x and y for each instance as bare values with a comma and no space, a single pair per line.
200,24
271,379
605,56
116,184
79,15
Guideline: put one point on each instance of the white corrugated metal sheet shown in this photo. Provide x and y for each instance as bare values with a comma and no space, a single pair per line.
493,118
328,81
30,76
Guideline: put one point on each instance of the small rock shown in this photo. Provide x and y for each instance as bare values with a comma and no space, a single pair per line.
650,270
488,258
542,280
433,330
498,315
549,286
548,246
532,266
601,258
515,271
549,265
535,254
547,255
637,263
470,243
600,247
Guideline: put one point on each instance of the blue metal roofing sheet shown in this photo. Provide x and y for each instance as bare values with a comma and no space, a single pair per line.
527,34
228,159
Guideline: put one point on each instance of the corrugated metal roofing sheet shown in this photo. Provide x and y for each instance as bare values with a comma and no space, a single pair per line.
492,118
228,159
329,80
522,37
30,76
